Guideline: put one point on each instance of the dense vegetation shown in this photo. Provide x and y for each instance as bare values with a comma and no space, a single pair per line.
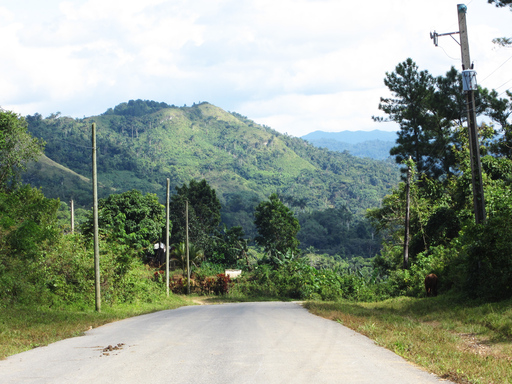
304,247
142,143
471,258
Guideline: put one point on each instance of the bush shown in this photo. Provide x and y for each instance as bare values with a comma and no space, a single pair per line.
487,259
299,280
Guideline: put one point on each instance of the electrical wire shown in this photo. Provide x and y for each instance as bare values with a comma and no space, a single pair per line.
70,143
497,69
505,91
506,82
453,58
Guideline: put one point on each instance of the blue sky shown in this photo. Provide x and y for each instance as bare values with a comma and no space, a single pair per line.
295,65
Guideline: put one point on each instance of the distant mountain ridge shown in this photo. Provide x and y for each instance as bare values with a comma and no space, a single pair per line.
372,144
352,137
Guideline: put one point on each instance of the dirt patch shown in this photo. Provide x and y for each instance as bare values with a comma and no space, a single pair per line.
483,347
477,345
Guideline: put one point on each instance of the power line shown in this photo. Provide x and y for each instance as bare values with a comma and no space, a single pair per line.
496,69
71,143
503,84
505,91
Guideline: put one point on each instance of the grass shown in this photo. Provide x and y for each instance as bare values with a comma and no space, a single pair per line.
24,328
466,342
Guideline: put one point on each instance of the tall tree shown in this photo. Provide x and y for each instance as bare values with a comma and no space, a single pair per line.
277,227
17,148
427,110
204,214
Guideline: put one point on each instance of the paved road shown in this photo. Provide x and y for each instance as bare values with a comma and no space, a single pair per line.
229,343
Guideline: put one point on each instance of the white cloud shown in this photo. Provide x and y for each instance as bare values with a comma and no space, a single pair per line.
295,65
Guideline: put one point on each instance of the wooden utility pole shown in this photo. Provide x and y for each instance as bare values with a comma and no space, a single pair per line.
167,238
474,146
407,216
72,217
186,240
95,221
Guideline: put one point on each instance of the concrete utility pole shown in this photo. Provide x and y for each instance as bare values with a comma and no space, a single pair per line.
167,238
95,221
186,240
469,86
407,216
72,216
469,82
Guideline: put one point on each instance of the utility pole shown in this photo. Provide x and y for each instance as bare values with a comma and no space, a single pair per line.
72,217
469,86
469,81
167,238
186,241
407,215
95,221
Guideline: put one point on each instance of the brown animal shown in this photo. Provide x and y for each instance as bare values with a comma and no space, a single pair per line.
431,285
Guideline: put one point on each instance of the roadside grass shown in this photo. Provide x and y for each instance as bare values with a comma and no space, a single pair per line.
24,328
459,340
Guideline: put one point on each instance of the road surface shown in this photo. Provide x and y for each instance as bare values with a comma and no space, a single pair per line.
230,343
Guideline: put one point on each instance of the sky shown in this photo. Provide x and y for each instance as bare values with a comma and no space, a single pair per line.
297,66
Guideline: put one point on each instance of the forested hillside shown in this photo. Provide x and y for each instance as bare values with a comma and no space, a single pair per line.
142,143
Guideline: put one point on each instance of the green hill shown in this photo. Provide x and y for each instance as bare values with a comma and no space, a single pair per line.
142,143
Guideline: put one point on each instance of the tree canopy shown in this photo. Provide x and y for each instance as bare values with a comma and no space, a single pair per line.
203,214
426,108
131,218
500,3
444,238
277,227
17,147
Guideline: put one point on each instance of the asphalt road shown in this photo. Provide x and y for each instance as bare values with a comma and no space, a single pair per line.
230,343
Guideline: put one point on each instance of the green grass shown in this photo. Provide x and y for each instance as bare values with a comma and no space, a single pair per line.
24,328
466,342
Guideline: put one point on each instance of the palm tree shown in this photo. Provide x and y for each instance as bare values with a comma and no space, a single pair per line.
179,254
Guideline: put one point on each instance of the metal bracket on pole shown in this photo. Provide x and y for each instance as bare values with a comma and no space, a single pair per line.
434,36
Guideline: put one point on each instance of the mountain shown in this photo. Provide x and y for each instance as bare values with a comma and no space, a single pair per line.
351,137
373,144
140,144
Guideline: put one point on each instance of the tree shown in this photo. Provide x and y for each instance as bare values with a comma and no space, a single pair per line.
129,218
17,148
179,254
500,3
203,211
28,222
503,41
500,111
230,246
277,227
427,109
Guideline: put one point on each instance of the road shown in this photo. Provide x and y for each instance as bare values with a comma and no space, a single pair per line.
230,343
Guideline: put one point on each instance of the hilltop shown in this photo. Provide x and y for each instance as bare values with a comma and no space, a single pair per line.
142,143
234,154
